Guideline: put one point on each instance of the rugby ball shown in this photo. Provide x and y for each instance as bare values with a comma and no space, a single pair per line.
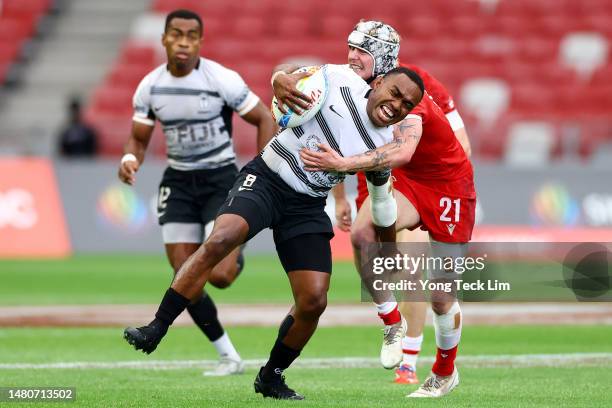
315,86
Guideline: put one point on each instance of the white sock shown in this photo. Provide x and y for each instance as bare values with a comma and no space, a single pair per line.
225,348
448,328
411,347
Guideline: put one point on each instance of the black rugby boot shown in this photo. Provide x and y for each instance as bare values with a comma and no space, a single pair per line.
275,388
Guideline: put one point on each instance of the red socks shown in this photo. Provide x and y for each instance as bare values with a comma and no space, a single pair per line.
392,317
445,362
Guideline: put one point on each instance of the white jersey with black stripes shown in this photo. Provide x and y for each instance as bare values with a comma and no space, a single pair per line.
195,112
342,123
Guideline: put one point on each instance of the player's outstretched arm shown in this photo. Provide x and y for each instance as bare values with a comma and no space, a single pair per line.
395,154
343,208
462,137
134,151
284,86
261,117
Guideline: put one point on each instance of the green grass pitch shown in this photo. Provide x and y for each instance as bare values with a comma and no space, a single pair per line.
128,279
505,386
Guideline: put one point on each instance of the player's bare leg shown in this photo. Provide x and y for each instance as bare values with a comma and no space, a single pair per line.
229,232
447,319
415,313
310,295
204,312
362,236
226,271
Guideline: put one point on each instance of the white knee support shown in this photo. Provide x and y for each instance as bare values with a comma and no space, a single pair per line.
448,327
384,206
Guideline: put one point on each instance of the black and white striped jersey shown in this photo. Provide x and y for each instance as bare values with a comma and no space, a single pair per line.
342,123
195,112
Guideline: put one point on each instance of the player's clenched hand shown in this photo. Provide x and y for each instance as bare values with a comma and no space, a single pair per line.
343,214
127,171
287,94
326,159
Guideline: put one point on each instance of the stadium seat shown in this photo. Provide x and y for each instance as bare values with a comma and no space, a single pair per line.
529,144
248,27
503,63
584,52
336,27
138,53
485,98
292,27
9,52
127,75
111,100
25,8
15,29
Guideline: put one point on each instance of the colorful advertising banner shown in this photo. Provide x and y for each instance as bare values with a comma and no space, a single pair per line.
32,222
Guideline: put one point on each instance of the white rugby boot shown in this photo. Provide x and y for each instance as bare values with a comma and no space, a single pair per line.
226,366
436,386
391,352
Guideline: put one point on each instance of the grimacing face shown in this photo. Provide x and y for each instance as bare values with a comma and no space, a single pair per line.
182,41
392,98
361,62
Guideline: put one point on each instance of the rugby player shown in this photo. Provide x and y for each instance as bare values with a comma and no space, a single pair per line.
193,98
373,50
434,190
275,191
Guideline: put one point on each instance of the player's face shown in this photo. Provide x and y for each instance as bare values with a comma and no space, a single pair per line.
182,41
361,62
392,98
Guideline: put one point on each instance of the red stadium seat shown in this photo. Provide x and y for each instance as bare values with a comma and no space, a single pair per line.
248,27
518,42
337,27
127,75
35,8
15,29
292,27
134,53
117,101
9,51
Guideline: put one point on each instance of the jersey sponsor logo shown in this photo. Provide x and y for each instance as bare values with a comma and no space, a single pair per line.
331,108
451,228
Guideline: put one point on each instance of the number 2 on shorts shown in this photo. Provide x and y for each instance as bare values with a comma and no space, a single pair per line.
164,193
447,203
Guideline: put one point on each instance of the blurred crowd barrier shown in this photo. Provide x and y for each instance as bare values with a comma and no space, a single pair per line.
52,209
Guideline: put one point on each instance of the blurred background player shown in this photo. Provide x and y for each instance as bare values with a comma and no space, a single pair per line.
374,50
193,98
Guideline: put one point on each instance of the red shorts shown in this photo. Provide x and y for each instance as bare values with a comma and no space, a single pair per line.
447,209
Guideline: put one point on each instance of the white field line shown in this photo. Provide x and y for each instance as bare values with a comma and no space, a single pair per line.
477,361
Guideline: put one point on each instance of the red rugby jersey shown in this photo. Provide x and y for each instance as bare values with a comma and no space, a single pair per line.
439,155
438,92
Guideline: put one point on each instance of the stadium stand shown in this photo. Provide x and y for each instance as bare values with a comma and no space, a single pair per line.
19,22
542,60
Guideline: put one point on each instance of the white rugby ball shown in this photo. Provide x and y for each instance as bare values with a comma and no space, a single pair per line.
315,86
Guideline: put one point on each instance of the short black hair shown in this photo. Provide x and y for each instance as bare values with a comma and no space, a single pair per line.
416,78
187,15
